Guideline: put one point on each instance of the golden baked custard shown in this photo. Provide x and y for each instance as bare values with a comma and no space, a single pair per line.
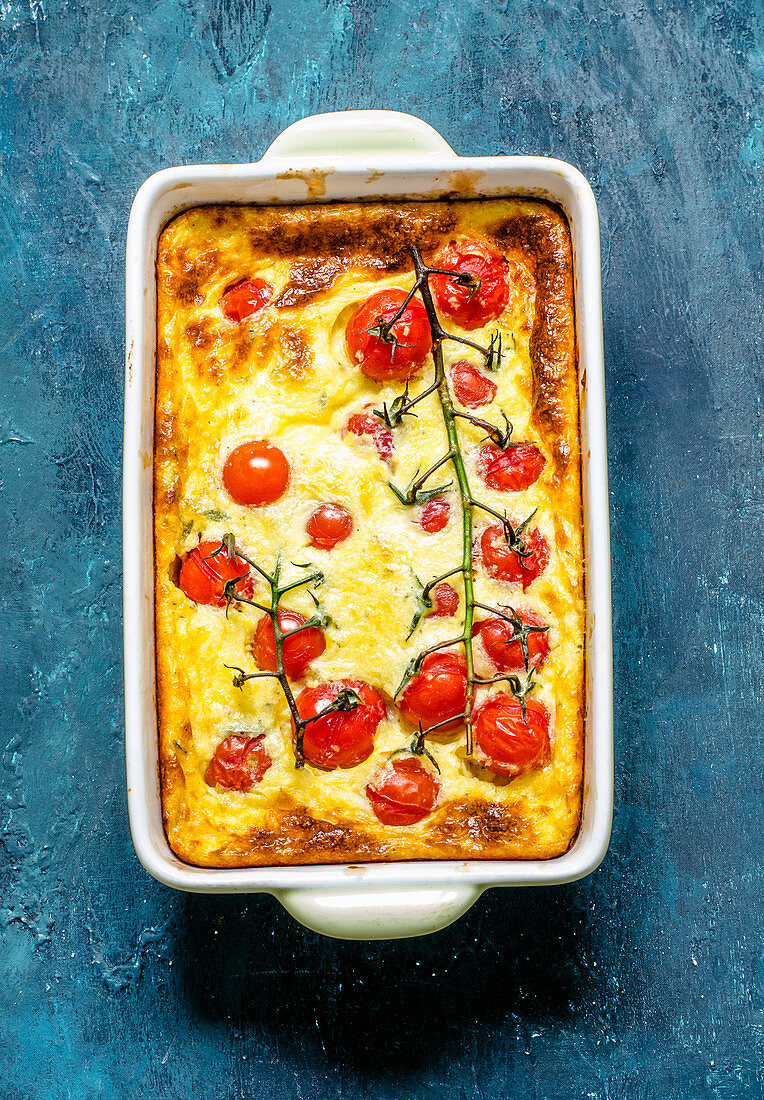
369,560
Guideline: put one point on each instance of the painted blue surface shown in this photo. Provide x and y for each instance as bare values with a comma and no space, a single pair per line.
642,982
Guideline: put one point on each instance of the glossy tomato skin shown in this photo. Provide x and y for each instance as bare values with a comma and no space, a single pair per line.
403,792
504,564
239,763
434,515
343,739
245,298
256,473
468,307
204,574
437,692
379,359
506,654
511,470
504,743
445,601
471,387
329,525
365,423
297,652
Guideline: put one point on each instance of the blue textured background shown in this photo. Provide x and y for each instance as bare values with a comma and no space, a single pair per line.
641,982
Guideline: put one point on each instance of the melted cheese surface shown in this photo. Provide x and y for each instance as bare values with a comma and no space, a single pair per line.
285,375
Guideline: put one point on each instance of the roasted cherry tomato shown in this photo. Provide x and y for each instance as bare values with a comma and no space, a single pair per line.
297,651
396,355
504,743
504,564
328,525
471,387
366,423
471,306
437,692
246,298
511,470
256,473
434,515
505,651
239,762
343,738
445,601
206,570
403,792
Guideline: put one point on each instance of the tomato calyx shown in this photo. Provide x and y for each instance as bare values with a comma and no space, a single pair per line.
508,630
415,493
471,283
388,337
510,739
334,723
434,695
424,604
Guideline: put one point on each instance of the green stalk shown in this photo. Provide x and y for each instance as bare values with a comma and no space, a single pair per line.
465,495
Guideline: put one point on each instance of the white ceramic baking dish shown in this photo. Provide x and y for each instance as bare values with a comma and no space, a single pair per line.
360,155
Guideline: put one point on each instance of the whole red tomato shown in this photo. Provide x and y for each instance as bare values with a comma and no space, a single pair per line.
505,650
476,305
329,525
437,692
205,570
505,743
395,354
511,470
297,651
504,564
256,473
403,792
245,298
341,738
239,762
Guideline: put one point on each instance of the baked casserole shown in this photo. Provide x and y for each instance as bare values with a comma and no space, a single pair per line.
368,533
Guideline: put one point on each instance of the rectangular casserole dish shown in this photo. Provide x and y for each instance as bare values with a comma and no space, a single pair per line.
374,155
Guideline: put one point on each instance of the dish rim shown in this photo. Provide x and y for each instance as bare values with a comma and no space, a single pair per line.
426,168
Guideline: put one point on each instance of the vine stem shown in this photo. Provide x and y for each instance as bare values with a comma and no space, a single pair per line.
465,494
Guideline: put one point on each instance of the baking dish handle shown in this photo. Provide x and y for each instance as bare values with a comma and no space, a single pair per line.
368,913
377,133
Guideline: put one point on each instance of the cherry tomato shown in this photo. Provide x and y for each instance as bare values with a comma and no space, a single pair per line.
403,353
403,792
445,601
504,743
204,574
366,423
328,525
471,387
471,307
511,470
239,763
246,298
437,692
256,473
342,739
297,651
506,653
504,564
434,515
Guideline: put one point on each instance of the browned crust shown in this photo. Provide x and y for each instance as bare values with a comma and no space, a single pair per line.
325,240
